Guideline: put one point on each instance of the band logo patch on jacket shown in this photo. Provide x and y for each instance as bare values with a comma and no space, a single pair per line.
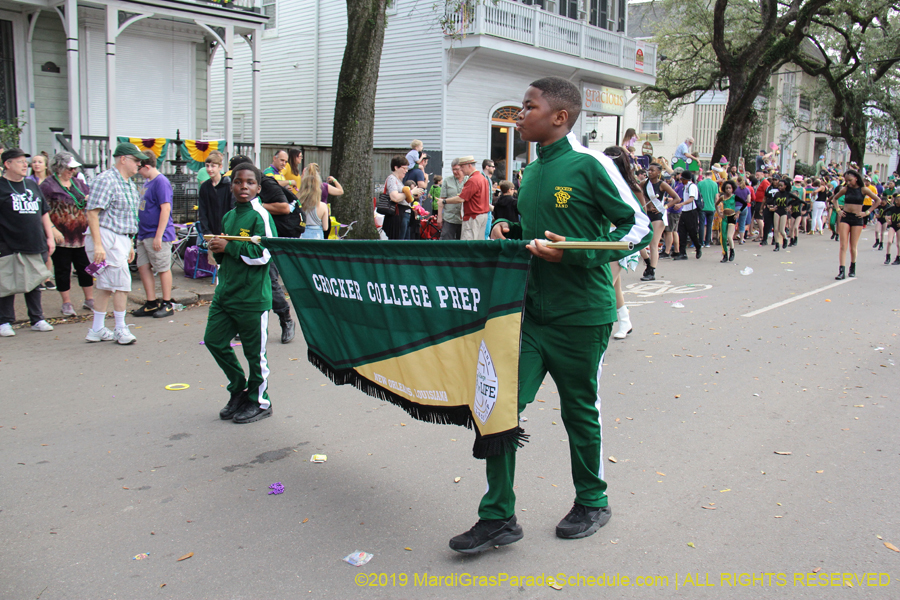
562,197
245,232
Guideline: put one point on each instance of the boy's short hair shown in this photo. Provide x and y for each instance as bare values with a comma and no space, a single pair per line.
150,161
561,94
505,186
415,144
437,178
246,166
216,158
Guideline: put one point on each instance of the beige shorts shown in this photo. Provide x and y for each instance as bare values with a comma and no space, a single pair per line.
115,277
473,229
160,261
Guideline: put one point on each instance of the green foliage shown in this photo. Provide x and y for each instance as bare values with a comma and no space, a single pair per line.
11,131
801,168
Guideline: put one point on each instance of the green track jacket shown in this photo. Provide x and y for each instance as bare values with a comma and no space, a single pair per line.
244,283
577,193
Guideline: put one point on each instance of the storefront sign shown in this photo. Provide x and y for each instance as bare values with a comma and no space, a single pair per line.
603,101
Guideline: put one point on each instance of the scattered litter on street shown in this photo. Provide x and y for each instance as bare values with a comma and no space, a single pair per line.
276,488
358,558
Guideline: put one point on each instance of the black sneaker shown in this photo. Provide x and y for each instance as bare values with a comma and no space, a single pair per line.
699,252
582,521
49,285
234,404
252,411
165,310
664,254
487,533
147,310
680,257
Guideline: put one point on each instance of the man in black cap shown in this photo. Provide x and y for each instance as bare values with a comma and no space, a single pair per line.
25,228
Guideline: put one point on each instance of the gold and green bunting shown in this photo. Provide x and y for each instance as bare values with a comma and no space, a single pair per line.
197,151
433,328
159,146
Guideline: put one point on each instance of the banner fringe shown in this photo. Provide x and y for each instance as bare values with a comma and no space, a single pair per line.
484,446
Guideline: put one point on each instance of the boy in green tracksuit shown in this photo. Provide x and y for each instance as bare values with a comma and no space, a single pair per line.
243,299
571,193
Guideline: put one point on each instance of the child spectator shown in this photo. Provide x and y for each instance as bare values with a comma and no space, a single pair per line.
505,207
154,240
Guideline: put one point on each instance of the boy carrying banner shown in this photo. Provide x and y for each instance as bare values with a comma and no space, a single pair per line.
243,299
569,193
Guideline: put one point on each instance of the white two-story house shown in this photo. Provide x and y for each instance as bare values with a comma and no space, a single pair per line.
93,70
454,81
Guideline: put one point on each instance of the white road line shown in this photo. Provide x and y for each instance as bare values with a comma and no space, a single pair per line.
795,298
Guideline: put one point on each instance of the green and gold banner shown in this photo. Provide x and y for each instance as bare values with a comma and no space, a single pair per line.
159,146
431,327
196,152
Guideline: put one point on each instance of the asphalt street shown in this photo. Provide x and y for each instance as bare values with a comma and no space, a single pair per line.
747,457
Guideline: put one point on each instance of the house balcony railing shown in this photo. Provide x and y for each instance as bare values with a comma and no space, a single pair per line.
530,24
247,5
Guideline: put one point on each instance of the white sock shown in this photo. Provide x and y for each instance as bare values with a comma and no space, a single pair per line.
120,319
99,320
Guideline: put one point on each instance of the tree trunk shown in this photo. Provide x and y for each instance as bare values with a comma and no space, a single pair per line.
854,130
354,116
739,114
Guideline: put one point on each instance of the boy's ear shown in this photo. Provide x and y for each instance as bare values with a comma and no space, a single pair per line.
561,118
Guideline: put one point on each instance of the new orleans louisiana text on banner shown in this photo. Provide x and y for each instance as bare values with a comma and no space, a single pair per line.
433,328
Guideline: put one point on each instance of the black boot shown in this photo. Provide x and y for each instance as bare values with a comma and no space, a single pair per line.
841,274
287,328
649,275
234,404
731,255
887,258
852,272
896,260
875,245
777,247
647,262
881,245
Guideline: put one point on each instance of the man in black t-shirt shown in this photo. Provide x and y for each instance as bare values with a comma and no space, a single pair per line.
25,228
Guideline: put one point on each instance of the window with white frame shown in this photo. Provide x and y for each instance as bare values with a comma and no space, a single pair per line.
651,122
269,9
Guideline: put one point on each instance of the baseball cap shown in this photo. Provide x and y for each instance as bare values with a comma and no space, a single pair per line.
129,149
238,159
13,153
73,164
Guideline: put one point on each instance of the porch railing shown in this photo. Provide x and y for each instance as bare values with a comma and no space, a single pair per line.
530,24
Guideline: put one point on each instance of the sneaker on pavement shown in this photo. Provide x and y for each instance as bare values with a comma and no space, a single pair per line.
103,335
68,310
165,310
582,521
123,336
49,285
6,330
42,325
251,411
486,533
147,310
88,304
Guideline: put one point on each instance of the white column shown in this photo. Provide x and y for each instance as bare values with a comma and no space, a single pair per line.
29,73
257,148
72,72
229,89
112,31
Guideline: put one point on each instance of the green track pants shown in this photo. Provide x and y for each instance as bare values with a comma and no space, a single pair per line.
573,356
221,328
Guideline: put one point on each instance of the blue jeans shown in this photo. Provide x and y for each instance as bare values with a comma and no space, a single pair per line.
743,220
706,223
